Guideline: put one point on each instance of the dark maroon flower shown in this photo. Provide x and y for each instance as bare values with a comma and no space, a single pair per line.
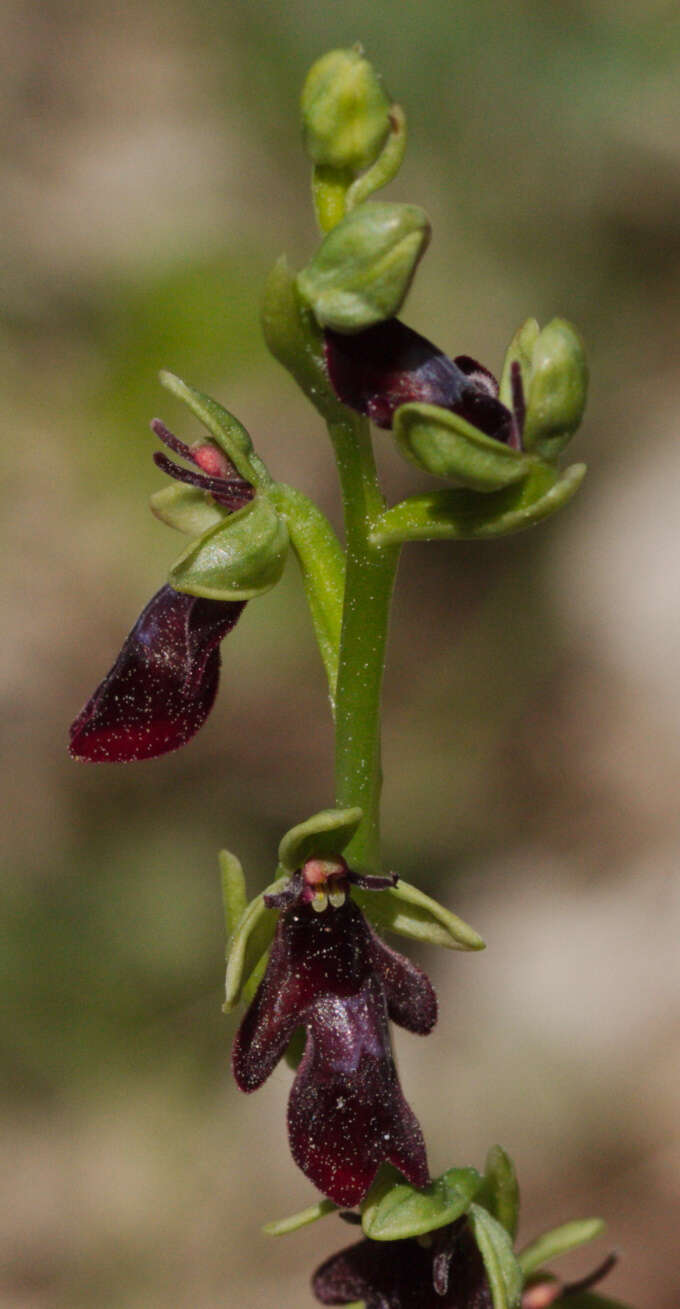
163,683
330,974
440,1271
389,365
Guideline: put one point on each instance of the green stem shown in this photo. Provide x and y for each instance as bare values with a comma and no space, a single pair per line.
369,581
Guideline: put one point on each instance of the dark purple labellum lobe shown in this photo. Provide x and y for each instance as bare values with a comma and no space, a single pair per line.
389,365
329,973
163,683
401,1274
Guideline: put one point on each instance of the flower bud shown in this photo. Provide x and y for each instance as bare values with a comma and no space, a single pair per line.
345,111
363,269
558,383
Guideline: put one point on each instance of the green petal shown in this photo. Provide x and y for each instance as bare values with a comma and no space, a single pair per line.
321,837
406,910
238,559
234,897
362,271
394,1210
502,1269
250,941
282,1226
467,515
557,1242
445,445
188,509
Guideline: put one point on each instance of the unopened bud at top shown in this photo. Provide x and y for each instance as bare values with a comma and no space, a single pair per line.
345,111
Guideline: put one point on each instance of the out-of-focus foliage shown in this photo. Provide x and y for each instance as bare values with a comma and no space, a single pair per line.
152,173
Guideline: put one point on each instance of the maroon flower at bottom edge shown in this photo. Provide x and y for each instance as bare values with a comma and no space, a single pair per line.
329,973
163,683
444,1271
389,365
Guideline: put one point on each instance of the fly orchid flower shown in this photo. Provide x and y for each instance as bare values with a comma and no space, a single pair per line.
162,686
329,973
389,365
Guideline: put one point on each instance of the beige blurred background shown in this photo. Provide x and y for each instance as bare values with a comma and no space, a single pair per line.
151,174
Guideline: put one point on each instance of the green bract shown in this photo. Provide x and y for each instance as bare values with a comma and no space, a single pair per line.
345,111
321,837
409,912
237,559
447,446
461,515
394,1210
364,267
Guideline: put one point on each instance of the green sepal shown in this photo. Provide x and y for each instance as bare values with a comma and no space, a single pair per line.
234,895
500,1190
445,445
188,509
457,515
406,910
503,1272
250,941
519,351
230,435
320,837
238,559
557,389
294,338
557,1242
282,1226
363,269
393,1209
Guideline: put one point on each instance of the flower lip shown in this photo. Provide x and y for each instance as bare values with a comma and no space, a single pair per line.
329,973
217,475
163,684
389,365
444,1273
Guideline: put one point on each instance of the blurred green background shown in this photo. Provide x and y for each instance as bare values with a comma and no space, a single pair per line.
151,174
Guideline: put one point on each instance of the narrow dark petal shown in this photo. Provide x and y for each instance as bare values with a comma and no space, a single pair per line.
346,1113
390,365
270,1020
162,685
173,442
234,493
371,882
410,995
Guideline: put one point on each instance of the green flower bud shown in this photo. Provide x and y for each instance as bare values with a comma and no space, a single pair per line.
363,269
345,111
557,387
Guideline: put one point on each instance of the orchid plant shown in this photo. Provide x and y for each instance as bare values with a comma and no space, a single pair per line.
306,956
